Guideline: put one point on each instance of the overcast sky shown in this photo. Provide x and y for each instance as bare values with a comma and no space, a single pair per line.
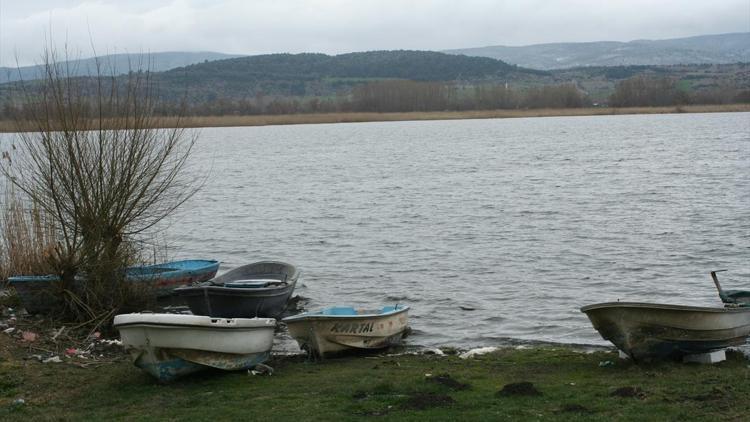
339,26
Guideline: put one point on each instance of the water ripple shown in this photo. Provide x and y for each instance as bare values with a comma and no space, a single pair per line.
520,220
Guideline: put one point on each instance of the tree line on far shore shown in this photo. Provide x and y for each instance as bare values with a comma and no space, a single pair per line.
385,96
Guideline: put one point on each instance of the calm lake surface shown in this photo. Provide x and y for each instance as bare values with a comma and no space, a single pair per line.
493,231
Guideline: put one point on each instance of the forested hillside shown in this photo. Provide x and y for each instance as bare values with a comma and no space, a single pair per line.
324,75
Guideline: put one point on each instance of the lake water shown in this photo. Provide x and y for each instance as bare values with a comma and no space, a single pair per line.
493,231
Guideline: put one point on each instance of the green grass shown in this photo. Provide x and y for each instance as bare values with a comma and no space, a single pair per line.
573,386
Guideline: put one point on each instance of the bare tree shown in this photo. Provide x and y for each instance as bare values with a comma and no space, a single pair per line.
93,157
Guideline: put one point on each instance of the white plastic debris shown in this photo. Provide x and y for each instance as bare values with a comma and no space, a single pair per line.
709,358
53,359
261,369
58,332
19,402
9,330
479,351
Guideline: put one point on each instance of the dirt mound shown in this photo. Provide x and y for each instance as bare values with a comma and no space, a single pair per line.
448,381
523,388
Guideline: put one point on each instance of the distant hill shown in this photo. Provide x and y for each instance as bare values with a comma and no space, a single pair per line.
311,74
121,63
712,49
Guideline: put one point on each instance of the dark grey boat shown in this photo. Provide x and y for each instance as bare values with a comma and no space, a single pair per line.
260,289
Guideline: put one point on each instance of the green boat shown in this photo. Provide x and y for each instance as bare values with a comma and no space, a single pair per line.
736,298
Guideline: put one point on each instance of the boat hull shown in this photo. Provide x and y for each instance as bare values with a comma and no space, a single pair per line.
38,294
42,294
217,298
646,331
166,365
324,335
163,278
169,346
236,303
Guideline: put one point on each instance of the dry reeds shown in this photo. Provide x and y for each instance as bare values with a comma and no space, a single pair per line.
357,117
27,238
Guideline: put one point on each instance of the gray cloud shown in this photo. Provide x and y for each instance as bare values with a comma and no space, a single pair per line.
336,26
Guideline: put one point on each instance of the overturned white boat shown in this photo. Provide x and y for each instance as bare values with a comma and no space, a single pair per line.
168,346
650,331
340,329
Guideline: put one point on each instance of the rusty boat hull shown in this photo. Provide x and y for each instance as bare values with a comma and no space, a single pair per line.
345,329
169,346
650,331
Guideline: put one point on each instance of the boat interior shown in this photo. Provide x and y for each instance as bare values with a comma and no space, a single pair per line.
258,283
349,311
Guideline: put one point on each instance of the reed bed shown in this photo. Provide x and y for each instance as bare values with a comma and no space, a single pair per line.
27,238
358,117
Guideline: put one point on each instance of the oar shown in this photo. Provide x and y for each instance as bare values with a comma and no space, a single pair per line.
723,297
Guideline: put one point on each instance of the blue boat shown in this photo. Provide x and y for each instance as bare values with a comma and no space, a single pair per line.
40,294
163,278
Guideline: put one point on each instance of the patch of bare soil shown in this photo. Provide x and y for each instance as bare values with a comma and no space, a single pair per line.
422,401
627,392
523,388
447,381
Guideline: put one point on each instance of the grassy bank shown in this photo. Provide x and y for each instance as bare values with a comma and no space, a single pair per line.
565,385
291,119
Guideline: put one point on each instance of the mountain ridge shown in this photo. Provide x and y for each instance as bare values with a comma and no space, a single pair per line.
700,49
120,62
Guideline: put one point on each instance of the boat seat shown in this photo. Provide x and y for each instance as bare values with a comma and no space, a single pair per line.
255,283
340,310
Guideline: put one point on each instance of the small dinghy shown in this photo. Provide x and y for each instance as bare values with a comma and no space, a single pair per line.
340,329
261,289
168,346
649,331
731,297
163,278
41,294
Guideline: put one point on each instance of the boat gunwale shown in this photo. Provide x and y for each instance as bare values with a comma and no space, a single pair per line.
207,264
140,273
185,320
661,306
306,316
232,291
292,276
196,327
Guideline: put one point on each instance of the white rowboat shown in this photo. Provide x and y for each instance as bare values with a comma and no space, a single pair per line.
170,345
340,329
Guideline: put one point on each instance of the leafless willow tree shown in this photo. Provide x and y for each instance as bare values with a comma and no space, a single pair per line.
93,156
